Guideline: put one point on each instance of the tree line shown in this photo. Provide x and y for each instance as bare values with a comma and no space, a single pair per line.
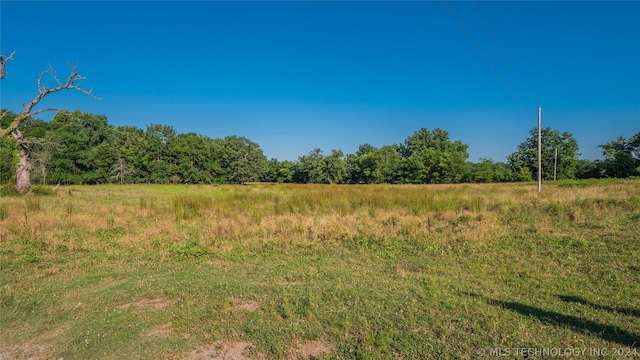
83,148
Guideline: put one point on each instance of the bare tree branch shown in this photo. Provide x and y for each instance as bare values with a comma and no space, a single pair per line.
3,61
38,142
71,83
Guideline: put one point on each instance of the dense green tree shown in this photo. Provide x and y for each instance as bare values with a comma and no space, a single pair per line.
364,149
358,169
486,171
7,118
483,171
501,172
373,166
335,167
131,154
630,146
81,148
431,157
317,168
286,169
310,168
8,149
620,164
34,128
387,160
588,169
8,159
193,157
240,159
526,157
157,139
279,171
87,148
271,175
621,157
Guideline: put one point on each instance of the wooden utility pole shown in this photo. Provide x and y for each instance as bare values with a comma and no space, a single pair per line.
539,150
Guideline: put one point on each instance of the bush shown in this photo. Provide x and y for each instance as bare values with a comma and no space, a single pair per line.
9,190
43,190
191,249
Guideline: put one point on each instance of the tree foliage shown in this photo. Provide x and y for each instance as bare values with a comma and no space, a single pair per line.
374,166
83,148
431,157
621,159
526,157
488,171
240,159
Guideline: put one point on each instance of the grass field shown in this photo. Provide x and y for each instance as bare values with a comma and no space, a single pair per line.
319,271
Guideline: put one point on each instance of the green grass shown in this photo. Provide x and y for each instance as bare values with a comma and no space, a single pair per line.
370,272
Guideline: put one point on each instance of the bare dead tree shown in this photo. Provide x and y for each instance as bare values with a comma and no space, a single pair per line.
41,152
72,82
4,60
119,171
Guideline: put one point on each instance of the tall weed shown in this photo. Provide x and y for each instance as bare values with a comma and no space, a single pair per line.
4,211
186,206
33,203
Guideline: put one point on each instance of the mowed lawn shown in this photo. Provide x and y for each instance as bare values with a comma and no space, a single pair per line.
268,271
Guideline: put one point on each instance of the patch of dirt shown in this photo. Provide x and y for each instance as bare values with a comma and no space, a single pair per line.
143,305
33,348
24,352
249,305
404,272
225,350
163,331
311,349
52,335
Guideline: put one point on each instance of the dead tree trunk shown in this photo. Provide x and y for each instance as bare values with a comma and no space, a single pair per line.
23,176
72,83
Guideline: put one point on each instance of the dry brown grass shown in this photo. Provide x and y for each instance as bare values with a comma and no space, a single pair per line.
135,217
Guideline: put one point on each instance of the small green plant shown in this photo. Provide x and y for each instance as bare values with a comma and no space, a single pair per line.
190,250
463,219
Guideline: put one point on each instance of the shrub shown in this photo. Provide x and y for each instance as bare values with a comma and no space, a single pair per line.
43,190
191,249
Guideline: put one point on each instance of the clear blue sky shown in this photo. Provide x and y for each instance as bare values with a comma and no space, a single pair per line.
293,76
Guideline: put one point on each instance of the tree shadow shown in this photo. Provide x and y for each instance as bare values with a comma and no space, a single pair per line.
576,324
579,300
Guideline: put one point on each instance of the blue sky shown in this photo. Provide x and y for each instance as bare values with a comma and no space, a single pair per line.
293,76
